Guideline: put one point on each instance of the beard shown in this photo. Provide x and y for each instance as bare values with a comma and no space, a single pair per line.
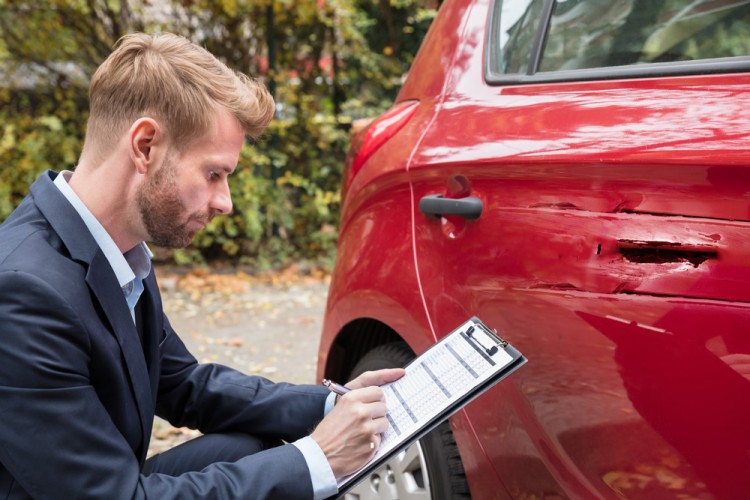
162,211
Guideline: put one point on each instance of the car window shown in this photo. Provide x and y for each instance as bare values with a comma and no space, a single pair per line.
587,34
519,24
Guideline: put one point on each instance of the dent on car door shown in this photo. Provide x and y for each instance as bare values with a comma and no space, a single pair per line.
612,250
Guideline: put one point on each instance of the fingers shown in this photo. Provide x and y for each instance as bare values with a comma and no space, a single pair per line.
377,378
380,425
351,433
369,394
375,442
367,403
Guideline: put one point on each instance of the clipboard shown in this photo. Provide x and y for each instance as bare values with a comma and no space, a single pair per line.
445,378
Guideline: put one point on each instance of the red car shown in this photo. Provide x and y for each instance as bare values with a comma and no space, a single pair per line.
577,175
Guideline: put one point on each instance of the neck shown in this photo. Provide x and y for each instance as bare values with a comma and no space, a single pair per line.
108,191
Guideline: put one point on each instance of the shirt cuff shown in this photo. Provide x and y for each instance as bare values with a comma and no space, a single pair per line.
323,480
330,401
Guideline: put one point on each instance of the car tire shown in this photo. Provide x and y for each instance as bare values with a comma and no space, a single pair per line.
429,468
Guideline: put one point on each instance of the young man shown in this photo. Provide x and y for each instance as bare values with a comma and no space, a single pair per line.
87,356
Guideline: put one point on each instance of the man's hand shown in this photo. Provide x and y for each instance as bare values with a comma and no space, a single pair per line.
351,433
377,378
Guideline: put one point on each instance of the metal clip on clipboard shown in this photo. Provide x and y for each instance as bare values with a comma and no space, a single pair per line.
489,349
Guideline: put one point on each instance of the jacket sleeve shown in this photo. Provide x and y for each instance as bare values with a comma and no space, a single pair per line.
216,398
57,439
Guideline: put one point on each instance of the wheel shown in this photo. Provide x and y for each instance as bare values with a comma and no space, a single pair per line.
430,468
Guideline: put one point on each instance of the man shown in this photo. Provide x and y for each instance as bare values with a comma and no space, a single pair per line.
87,356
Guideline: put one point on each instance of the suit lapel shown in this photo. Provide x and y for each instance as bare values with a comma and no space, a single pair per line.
152,326
103,283
152,323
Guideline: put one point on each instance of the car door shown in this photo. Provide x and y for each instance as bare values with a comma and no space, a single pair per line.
612,245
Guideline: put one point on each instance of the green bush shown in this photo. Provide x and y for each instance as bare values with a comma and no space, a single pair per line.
327,62
29,145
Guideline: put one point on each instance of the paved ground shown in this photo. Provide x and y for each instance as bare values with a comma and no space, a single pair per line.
268,326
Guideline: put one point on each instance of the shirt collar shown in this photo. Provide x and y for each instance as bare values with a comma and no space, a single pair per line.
136,262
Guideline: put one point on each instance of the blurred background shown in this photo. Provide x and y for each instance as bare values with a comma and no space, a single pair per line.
330,64
251,289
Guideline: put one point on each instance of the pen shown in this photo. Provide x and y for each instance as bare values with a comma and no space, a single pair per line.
336,388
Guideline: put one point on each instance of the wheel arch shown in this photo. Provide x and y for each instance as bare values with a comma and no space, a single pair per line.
353,341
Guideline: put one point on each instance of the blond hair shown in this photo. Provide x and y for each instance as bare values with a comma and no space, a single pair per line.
175,81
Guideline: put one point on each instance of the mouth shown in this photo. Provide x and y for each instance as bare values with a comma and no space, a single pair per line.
198,223
200,220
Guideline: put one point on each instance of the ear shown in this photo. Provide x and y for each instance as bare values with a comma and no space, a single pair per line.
146,144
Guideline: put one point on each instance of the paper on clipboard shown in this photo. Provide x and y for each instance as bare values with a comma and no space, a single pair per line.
438,383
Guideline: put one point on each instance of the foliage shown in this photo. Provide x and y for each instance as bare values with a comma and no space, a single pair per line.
326,61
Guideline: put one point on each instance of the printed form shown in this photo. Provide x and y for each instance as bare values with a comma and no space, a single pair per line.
436,380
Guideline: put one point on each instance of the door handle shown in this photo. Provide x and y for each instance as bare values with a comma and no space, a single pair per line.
436,205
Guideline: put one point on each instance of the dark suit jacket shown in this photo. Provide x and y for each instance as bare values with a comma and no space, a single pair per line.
78,391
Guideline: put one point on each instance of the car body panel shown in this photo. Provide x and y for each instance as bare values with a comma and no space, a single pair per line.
612,251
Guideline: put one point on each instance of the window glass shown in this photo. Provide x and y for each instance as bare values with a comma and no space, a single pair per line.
601,33
515,34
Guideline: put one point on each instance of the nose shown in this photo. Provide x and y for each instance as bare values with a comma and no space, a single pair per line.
221,200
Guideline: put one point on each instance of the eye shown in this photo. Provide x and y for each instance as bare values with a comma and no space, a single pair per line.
213,175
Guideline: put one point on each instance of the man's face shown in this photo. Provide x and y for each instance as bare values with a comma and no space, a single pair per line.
187,190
